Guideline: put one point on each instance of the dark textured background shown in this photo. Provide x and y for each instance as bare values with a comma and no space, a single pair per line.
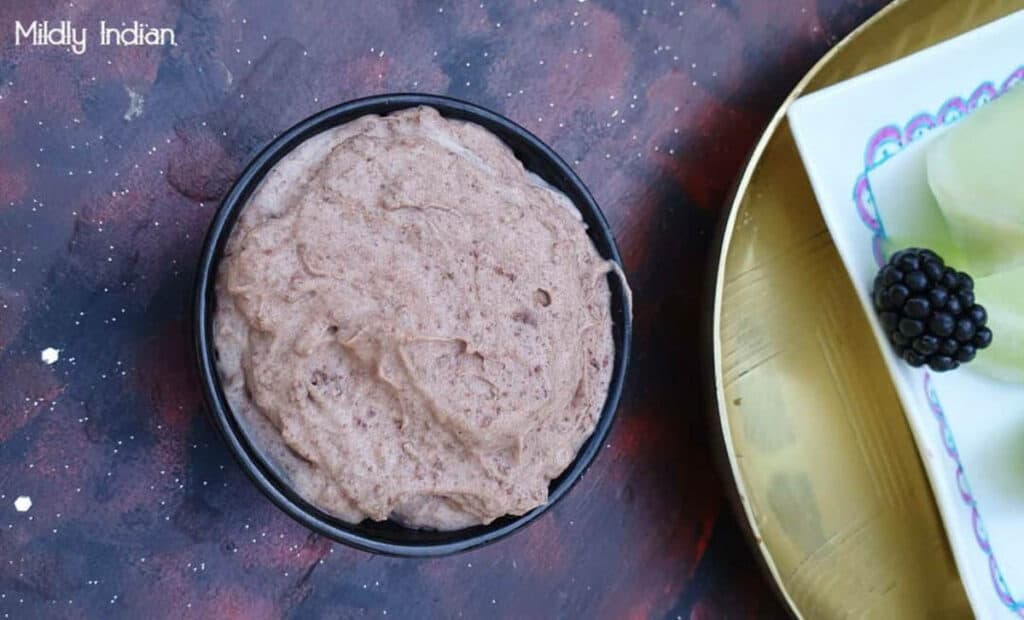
139,510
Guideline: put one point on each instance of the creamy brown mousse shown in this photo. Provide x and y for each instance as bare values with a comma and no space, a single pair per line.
411,325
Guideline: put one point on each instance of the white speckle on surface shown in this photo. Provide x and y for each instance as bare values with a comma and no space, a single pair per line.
135,104
50,355
23,503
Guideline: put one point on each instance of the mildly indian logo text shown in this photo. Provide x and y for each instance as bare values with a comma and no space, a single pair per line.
66,34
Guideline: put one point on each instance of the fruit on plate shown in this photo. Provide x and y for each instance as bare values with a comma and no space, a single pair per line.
975,171
928,311
959,192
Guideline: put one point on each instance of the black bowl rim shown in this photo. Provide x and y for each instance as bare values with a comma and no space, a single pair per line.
251,459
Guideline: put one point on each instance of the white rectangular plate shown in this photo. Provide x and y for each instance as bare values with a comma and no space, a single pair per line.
969,428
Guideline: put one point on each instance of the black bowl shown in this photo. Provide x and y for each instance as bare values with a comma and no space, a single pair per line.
388,537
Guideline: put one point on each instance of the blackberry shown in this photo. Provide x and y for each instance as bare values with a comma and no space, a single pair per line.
929,312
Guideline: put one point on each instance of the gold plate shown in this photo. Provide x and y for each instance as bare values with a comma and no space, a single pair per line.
827,473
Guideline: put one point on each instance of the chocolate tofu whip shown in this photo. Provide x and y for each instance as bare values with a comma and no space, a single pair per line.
412,326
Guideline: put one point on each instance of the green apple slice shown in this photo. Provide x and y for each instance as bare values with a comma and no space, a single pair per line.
976,171
1002,295
909,213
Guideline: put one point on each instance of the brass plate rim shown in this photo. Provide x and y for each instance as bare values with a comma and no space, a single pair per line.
734,475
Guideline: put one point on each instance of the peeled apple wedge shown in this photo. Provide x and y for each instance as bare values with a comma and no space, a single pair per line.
906,206
1002,295
976,171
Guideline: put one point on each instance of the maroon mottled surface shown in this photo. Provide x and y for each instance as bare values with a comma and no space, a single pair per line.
138,508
